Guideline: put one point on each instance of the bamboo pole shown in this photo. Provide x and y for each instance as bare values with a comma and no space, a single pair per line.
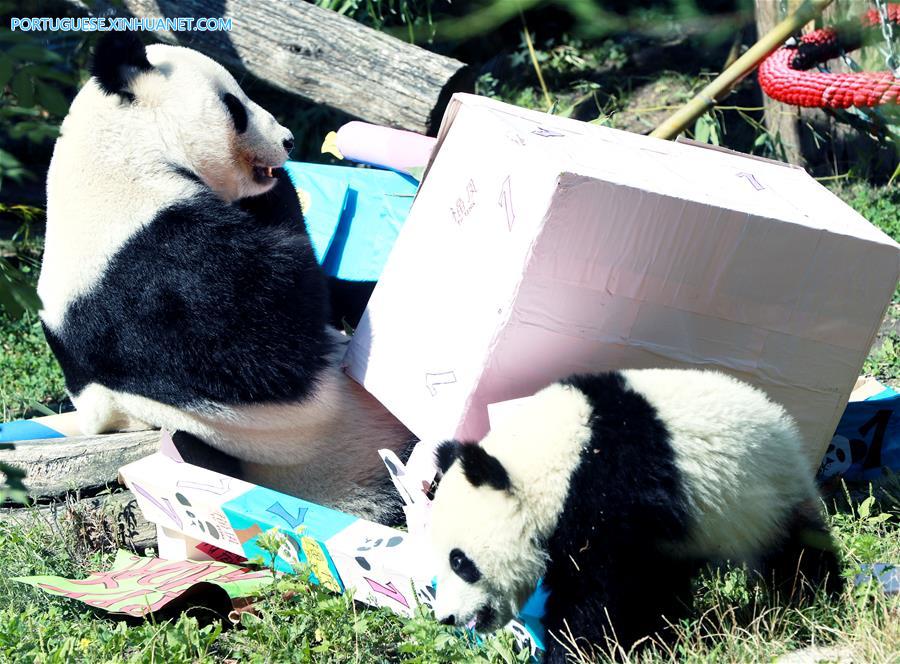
724,82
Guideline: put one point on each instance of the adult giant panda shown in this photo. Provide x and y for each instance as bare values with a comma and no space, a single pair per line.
180,288
616,489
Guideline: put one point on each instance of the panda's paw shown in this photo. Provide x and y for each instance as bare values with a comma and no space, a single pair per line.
93,423
99,413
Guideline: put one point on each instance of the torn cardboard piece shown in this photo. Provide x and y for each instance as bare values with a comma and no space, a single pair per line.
566,247
382,566
136,586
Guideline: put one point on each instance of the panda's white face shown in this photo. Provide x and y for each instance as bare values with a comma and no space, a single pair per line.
187,109
499,502
231,142
487,556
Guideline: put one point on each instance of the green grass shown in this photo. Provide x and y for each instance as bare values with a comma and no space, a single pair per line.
29,373
297,622
884,362
880,205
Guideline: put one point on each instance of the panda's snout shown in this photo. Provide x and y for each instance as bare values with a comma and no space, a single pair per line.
448,620
288,143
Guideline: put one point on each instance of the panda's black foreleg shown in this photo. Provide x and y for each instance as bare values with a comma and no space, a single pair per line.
611,609
198,453
348,301
575,622
806,560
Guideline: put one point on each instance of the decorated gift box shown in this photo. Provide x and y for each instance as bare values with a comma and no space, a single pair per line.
540,246
383,566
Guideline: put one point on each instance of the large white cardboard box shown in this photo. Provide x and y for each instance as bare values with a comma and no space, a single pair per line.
540,246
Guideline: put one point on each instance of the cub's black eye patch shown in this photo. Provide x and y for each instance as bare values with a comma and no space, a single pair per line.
237,111
463,567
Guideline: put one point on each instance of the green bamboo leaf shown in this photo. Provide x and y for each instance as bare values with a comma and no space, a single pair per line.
33,53
10,36
51,74
878,518
17,295
8,302
23,88
701,130
41,408
19,111
6,71
25,294
52,99
8,161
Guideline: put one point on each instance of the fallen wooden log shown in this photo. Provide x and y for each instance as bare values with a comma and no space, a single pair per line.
57,466
317,54
109,520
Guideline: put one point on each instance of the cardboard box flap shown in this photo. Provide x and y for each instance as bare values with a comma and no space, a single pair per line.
718,148
678,169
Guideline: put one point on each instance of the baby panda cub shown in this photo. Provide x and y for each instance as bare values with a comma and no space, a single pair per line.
616,489
179,286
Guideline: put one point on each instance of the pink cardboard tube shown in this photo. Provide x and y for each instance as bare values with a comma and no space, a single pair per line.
396,149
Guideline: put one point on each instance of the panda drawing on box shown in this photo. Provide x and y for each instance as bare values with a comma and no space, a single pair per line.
617,489
180,289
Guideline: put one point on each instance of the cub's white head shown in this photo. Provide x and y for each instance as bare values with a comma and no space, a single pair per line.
176,105
487,549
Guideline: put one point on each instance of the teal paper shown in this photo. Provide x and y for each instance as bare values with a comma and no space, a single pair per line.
353,215
26,430
261,509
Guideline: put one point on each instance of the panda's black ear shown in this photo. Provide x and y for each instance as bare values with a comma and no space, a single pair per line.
481,468
445,454
118,58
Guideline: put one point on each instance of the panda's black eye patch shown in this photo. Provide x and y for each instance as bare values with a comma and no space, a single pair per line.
237,111
463,567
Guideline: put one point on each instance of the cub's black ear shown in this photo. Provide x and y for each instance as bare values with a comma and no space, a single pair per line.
118,58
481,468
446,453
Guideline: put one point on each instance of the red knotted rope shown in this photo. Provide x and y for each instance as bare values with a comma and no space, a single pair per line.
782,77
